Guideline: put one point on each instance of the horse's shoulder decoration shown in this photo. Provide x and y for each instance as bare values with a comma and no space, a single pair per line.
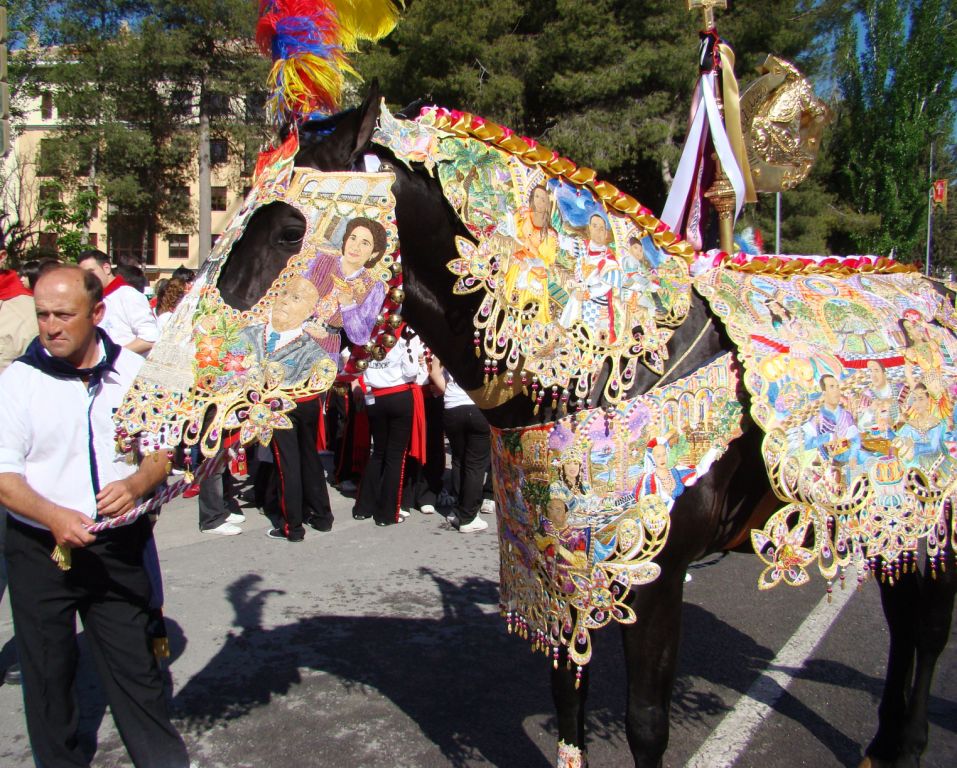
584,502
219,369
574,273
852,369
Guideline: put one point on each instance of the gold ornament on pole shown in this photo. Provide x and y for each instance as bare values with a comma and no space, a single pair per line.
707,7
783,121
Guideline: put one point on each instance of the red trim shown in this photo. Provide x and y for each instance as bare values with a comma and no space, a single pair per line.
321,428
398,498
115,284
417,443
886,362
282,488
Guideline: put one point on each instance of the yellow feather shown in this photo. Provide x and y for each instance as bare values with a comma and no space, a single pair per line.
366,19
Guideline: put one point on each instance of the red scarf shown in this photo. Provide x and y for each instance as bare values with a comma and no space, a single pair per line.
115,284
11,287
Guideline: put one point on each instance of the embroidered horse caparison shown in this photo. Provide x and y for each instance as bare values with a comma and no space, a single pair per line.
569,333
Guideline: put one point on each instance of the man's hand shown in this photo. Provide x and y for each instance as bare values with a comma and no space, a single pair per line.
116,498
69,528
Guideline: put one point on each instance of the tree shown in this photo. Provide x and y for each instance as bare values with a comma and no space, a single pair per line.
130,80
607,83
221,68
897,69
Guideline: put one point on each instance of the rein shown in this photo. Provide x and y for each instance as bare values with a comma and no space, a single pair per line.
688,351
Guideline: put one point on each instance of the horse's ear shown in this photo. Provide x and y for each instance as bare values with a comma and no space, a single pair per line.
368,118
349,138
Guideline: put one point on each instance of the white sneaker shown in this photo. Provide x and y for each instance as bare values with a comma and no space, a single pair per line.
488,507
478,524
427,509
347,486
224,529
236,517
403,513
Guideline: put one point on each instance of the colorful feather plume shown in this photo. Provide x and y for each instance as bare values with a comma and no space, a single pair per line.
308,41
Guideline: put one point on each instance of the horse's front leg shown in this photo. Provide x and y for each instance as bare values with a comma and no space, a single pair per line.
900,604
569,693
936,612
651,655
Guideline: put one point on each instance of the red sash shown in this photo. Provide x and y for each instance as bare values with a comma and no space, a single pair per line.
417,443
10,286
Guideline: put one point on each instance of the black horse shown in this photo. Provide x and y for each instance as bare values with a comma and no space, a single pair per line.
714,515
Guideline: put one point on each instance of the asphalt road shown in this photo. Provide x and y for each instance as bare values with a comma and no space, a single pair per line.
383,647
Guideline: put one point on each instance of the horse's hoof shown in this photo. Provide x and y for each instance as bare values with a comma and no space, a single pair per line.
570,756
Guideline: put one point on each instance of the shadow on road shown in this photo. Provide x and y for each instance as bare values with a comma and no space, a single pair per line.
468,687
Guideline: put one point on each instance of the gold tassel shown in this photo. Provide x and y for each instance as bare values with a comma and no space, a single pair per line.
62,557
161,647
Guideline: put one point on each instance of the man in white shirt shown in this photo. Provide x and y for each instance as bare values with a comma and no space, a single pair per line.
129,319
60,470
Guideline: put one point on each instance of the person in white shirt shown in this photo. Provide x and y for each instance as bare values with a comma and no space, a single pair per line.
129,319
60,470
470,442
396,411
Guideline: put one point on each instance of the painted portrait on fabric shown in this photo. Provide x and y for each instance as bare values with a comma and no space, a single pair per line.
247,368
568,283
854,380
586,501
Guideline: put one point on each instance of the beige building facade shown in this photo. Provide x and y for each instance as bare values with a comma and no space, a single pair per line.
28,176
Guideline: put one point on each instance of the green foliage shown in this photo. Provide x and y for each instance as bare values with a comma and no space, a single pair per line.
898,79
130,79
67,219
607,83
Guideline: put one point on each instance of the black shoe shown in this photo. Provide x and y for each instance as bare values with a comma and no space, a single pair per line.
360,516
277,533
384,523
321,524
13,675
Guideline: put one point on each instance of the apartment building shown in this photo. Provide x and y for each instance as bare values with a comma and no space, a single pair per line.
161,254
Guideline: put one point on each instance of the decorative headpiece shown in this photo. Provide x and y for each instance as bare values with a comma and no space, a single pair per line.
309,42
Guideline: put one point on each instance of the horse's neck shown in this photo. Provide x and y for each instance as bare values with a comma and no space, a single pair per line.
446,321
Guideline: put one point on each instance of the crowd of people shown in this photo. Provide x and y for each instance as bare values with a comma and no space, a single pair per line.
76,335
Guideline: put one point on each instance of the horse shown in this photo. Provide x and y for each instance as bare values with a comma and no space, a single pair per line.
715,515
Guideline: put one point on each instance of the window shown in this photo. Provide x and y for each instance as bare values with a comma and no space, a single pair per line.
92,239
47,242
46,105
181,102
218,151
218,104
49,193
256,107
178,246
218,196
129,238
49,160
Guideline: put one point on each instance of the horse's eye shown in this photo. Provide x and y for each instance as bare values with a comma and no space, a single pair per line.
291,235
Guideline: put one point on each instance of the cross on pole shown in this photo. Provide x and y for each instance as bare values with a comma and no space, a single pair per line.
707,7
